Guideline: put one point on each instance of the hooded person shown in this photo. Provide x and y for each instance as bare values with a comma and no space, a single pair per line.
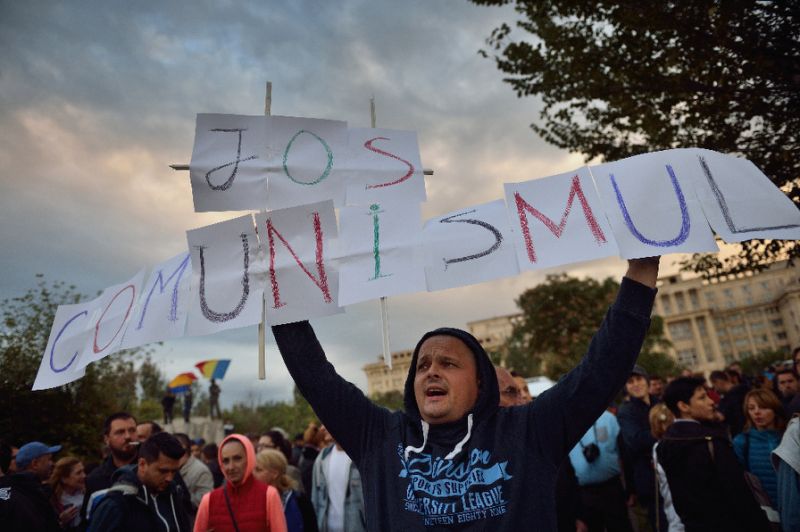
242,503
453,457
143,496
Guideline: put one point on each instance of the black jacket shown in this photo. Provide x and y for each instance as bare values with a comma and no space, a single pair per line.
634,425
494,469
731,407
129,505
709,493
98,479
24,506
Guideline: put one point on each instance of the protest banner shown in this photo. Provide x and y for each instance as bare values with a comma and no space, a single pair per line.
650,204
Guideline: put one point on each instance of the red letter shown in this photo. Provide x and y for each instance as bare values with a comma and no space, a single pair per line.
322,282
575,190
368,145
96,348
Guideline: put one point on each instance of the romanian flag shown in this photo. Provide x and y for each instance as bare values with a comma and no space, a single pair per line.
213,369
182,382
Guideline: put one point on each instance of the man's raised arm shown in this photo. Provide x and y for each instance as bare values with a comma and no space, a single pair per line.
568,409
344,410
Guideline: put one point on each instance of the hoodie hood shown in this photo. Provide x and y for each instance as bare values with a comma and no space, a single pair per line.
488,391
250,454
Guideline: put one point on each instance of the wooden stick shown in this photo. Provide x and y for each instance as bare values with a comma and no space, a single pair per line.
262,327
387,355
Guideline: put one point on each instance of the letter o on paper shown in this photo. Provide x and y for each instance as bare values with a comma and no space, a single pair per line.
329,154
127,312
58,337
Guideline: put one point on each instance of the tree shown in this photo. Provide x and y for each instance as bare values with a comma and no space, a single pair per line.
72,414
392,400
559,318
151,381
618,78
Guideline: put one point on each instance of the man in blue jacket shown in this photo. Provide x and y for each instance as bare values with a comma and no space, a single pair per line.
143,496
454,457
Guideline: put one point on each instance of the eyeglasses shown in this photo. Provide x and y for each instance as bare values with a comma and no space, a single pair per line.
262,446
511,392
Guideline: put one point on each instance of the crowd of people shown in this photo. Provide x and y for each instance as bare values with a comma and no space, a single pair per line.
153,480
471,450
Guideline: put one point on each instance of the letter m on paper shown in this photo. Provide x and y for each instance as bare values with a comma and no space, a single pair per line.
524,209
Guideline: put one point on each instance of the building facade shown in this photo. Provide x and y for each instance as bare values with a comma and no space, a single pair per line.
492,333
381,379
713,323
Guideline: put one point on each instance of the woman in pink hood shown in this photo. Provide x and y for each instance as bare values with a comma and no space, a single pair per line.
242,503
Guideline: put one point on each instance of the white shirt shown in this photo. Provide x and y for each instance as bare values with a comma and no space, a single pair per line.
338,474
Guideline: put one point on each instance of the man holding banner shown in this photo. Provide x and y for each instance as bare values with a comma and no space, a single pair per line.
454,457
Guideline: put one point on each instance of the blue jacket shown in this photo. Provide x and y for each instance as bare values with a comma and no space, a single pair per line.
756,459
604,434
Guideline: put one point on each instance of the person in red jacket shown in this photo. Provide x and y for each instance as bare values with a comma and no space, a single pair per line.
242,503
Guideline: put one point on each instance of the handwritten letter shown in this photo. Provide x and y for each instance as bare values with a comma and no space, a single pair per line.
303,281
651,205
228,168
469,246
558,220
380,248
383,165
227,279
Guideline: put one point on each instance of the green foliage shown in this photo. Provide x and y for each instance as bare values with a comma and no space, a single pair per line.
151,381
620,78
258,418
72,414
756,364
559,318
392,400
148,410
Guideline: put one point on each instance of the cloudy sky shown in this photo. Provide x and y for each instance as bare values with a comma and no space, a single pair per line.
98,98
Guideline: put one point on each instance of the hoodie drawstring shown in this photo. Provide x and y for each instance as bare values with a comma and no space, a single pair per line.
452,454
419,449
460,445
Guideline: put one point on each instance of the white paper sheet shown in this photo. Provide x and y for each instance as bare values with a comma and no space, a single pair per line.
304,159
303,279
227,277
651,204
469,246
111,318
229,164
160,312
383,165
740,202
558,220
69,336
380,247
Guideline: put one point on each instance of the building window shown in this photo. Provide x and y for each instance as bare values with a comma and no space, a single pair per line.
701,327
693,299
680,330
665,304
741,343
687,357
680,302
737,330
